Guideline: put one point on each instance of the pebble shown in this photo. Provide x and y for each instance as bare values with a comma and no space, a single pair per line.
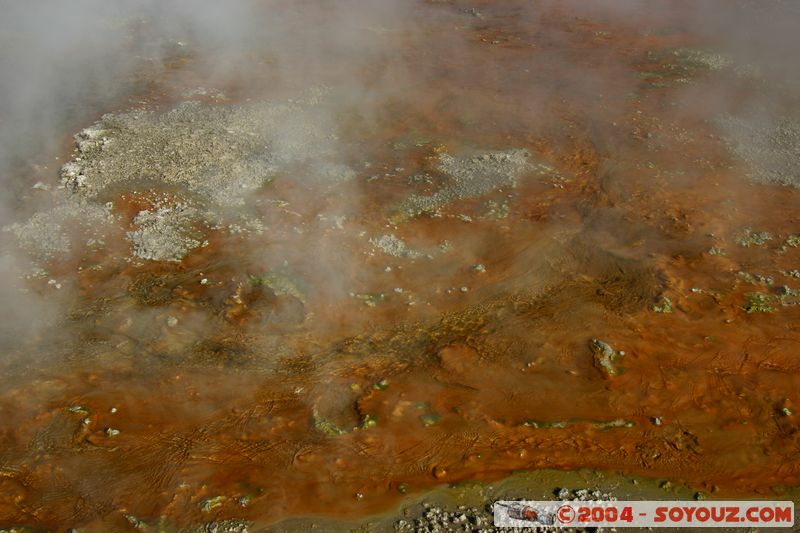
430,518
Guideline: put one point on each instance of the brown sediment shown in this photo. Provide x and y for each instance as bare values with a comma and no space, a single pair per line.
264,404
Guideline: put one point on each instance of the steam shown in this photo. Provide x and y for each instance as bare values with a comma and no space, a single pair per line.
329,99
64,65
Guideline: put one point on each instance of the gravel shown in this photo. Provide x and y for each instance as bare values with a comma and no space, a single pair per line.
434,519
394,246
223,526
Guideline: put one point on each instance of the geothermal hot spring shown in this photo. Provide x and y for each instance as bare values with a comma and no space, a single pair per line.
279,265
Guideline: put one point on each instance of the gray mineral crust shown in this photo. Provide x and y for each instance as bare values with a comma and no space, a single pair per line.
771,150
473,176
165,234
219,152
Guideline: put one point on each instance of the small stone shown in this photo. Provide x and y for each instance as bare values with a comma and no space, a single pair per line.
604,357
439,472
430,419
369,421
172,321
664,306
209,504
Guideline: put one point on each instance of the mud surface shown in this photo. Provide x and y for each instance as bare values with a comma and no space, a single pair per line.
271,307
